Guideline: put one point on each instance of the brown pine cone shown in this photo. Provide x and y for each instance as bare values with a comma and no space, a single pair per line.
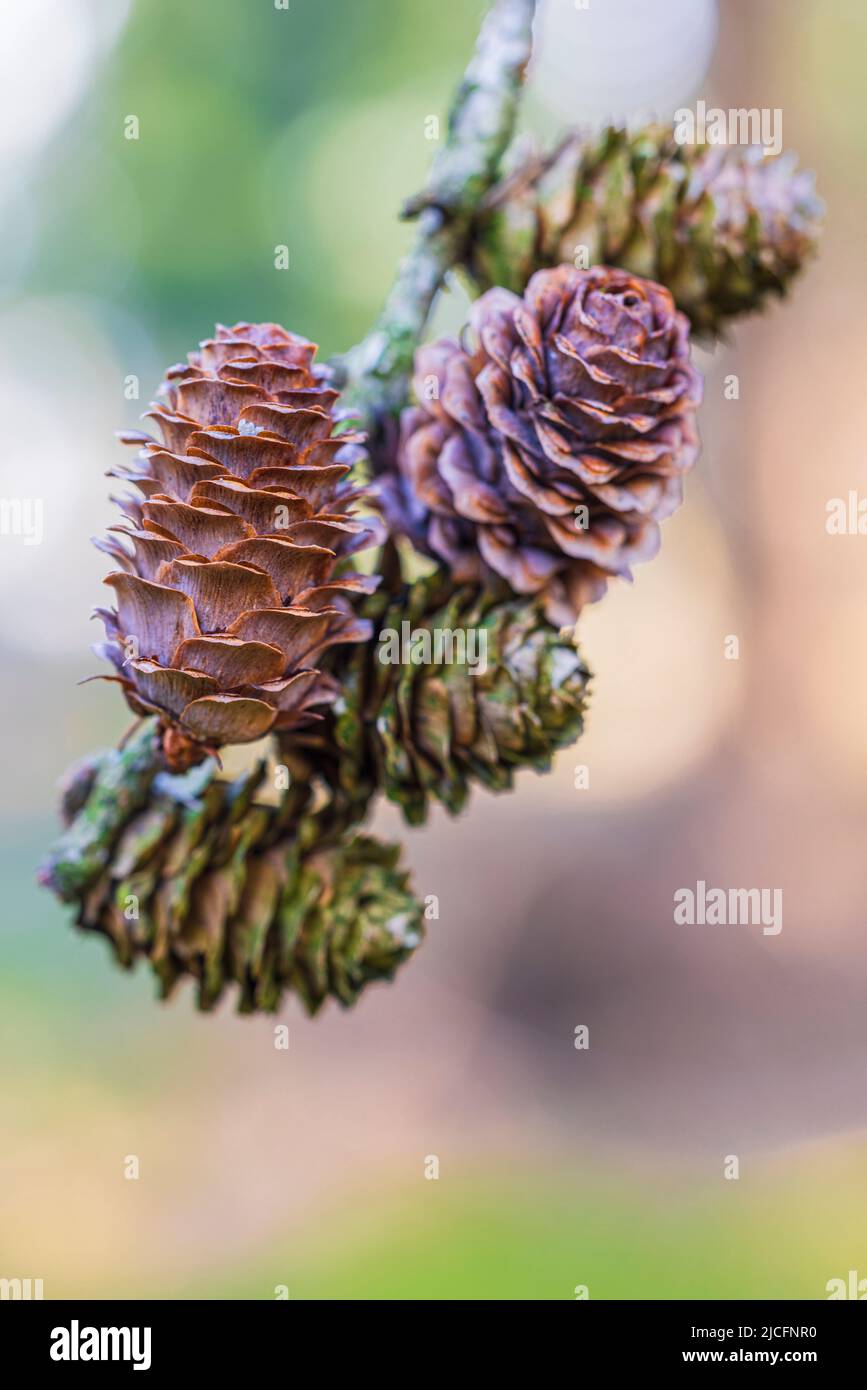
228,588
547,450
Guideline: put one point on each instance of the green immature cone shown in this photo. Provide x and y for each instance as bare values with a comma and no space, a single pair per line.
205,882
723,227
424,727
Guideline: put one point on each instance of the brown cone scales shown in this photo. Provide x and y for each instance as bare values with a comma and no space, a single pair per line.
547,450
228,587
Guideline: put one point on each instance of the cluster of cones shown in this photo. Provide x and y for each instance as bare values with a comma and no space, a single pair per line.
535,463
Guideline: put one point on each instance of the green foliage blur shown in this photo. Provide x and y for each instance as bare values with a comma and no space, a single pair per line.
258,127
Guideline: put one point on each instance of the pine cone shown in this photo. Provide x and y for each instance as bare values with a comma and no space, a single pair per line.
425,731
723,227
204,882
547,450
228,592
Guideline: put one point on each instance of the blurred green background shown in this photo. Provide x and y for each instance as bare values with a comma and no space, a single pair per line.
257,128
304,127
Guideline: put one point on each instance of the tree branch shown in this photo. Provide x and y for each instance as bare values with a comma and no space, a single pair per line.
375,374
117,784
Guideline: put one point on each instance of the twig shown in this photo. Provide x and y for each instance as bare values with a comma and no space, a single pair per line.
120,784
481,122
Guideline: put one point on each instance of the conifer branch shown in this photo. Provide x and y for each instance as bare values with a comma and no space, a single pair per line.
481,122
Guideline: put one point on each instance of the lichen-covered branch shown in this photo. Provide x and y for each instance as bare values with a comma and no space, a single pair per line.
99,795
480,126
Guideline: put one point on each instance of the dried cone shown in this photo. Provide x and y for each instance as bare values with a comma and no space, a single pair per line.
723,227
230,582
422,731
204,883
546,450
